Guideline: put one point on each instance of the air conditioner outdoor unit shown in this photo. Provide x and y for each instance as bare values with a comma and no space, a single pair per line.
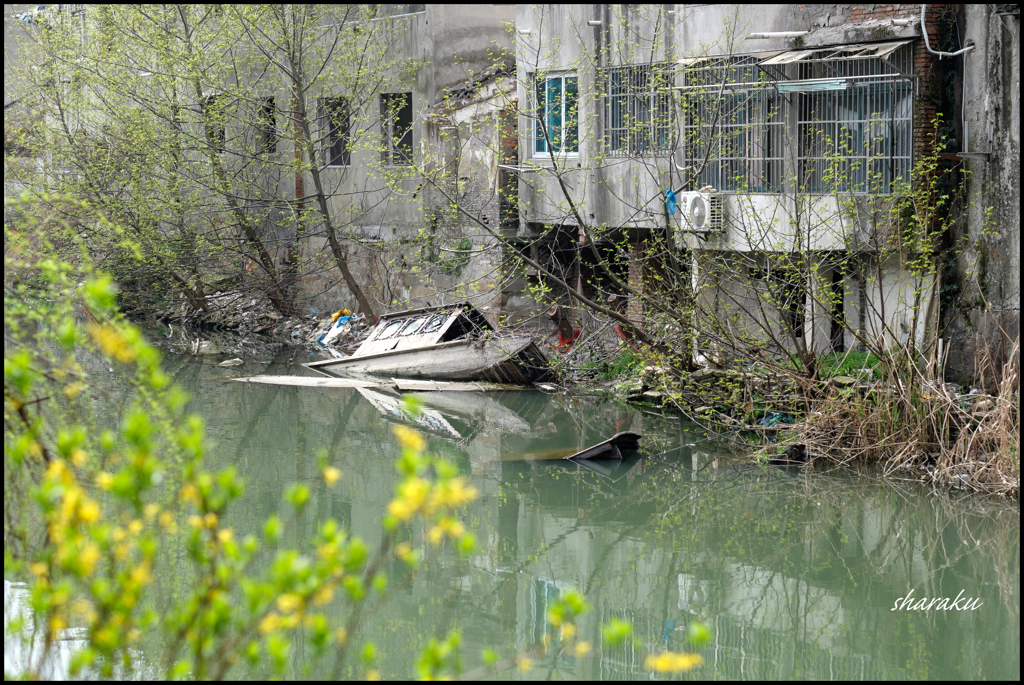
702,212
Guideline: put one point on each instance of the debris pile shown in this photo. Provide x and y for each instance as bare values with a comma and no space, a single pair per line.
340,335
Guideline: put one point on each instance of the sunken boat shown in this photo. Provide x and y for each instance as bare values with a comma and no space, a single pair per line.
453,342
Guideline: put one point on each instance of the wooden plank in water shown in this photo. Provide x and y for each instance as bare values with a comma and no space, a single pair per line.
310,382
416,385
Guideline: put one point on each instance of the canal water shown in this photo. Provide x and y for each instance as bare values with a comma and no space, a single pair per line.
795,575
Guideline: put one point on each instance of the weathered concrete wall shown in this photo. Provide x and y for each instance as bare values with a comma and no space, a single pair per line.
988,268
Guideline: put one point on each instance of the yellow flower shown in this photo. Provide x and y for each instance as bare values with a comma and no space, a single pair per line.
409,438
210,520
341,636
453,493
225,535
288,602
72,389
79,457
151,510
568,630
57,624
403,550
88,557
412,494
167,522
323,596
104,480
58,470
523,663
88,511
672,662
195,521
189,493
119,534
38,569
435,534
582,648
269,623
332,475
372,674
113,344
141,573
135,527
121,552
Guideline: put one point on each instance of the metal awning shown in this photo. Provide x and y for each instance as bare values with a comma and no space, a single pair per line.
833,53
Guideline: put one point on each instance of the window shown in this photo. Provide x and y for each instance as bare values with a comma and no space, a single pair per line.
396,126
733,117
857,135
267,125
214,121
557,129
335,126
639,115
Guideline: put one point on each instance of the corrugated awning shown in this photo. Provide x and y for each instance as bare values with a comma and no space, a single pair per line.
836,53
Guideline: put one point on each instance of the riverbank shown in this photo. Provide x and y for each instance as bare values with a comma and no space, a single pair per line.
961,438
941,433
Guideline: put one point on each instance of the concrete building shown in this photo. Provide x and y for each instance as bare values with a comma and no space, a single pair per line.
804,125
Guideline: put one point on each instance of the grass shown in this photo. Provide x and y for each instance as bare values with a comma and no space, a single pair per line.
848,364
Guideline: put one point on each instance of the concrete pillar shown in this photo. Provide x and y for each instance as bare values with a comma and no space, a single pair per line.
635,309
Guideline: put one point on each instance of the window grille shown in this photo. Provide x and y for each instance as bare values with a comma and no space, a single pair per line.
214,121
857,138
396,125
557,99
733,117
335,127
639,115
267,125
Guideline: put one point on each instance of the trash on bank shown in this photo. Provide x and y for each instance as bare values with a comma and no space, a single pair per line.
232,362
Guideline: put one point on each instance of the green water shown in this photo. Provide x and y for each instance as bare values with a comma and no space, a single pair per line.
795,575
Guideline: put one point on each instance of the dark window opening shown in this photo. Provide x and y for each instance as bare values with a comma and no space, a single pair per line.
836,338
268,126
214,122
335,125
396,125
465,327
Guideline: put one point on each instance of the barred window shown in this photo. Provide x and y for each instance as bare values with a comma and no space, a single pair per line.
856,136
733,118
335,127
639,116
396,127
267,125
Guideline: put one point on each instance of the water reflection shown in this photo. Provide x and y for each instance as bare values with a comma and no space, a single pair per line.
794,574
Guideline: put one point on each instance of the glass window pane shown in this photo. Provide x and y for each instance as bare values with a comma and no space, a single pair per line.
541,142
571,115
553,105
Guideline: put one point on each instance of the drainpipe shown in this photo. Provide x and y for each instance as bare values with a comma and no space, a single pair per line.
924,32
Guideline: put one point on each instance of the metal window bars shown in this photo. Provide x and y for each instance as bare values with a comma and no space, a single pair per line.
857,137
639,113
732,117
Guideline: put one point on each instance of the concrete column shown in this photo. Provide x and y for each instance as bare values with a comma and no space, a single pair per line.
635,310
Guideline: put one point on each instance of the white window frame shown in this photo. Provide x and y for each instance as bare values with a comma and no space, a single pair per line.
535,127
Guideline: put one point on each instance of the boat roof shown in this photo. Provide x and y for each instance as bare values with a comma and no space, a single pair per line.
424,327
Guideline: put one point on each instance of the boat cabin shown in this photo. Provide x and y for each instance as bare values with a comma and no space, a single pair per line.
422,328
